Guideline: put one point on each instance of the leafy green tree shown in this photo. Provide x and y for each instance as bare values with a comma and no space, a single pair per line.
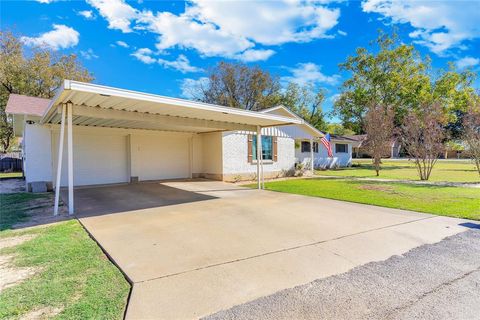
395,74
306,102
338,128
38,72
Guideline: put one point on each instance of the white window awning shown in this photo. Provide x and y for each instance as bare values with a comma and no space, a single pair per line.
101,106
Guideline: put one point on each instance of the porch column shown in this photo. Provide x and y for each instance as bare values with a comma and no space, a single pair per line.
312,162
261,165
190,155
259,155
59,162
70,156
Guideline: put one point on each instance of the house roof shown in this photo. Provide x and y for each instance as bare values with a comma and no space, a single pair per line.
280,109
102,106
20,104
357,137
342,138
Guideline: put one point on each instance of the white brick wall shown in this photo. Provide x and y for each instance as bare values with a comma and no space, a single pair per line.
235,155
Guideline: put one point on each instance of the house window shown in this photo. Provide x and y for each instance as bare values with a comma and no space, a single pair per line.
341,148
306,146
267,148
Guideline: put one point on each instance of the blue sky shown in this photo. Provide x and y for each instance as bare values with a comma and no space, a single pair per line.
163,47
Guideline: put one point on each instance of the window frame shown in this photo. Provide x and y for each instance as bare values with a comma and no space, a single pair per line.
307,146
341,144
308,150
264,150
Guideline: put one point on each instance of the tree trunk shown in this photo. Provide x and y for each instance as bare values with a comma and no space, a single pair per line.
376,163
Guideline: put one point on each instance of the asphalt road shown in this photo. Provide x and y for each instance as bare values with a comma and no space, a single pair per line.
437,281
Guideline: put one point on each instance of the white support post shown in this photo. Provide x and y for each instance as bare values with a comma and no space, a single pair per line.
312,163
261,164
190,155
59,162
259,144
70,157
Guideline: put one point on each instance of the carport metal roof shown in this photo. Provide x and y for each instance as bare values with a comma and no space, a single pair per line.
101,106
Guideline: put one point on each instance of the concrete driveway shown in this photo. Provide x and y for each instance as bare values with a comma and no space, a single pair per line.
197,247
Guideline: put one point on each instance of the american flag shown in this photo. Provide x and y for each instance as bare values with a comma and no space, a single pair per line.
326,142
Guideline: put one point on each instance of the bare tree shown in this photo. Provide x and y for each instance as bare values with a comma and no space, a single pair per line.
423,135
379,128
471,135
239,86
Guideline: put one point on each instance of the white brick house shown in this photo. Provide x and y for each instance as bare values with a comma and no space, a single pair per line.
120,136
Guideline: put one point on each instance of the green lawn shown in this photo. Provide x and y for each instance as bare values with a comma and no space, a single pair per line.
74,276
451,171
447,201
10,175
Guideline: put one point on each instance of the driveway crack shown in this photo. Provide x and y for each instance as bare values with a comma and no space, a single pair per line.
284,250
394,312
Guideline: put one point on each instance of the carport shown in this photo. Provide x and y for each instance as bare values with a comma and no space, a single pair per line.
80,108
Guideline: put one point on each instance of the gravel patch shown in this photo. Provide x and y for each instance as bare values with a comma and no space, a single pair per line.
15,241
12,185
436,281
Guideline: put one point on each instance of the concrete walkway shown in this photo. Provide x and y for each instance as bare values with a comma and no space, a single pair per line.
417,182
226,245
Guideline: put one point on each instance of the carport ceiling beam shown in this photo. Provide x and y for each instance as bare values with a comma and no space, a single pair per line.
109,114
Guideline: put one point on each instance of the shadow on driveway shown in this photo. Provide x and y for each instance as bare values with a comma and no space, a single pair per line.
92,201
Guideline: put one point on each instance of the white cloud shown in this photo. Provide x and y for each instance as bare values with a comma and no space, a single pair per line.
144,55
45,1
87,14
182,32
267,22
89,54
467,62
229,29
190,86
342,33
118,14
334,97
60,37
255,55
440,25
122,44
309,73
181,64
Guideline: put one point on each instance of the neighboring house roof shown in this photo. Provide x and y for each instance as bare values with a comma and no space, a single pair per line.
341,138
20,104
360,139
357,137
